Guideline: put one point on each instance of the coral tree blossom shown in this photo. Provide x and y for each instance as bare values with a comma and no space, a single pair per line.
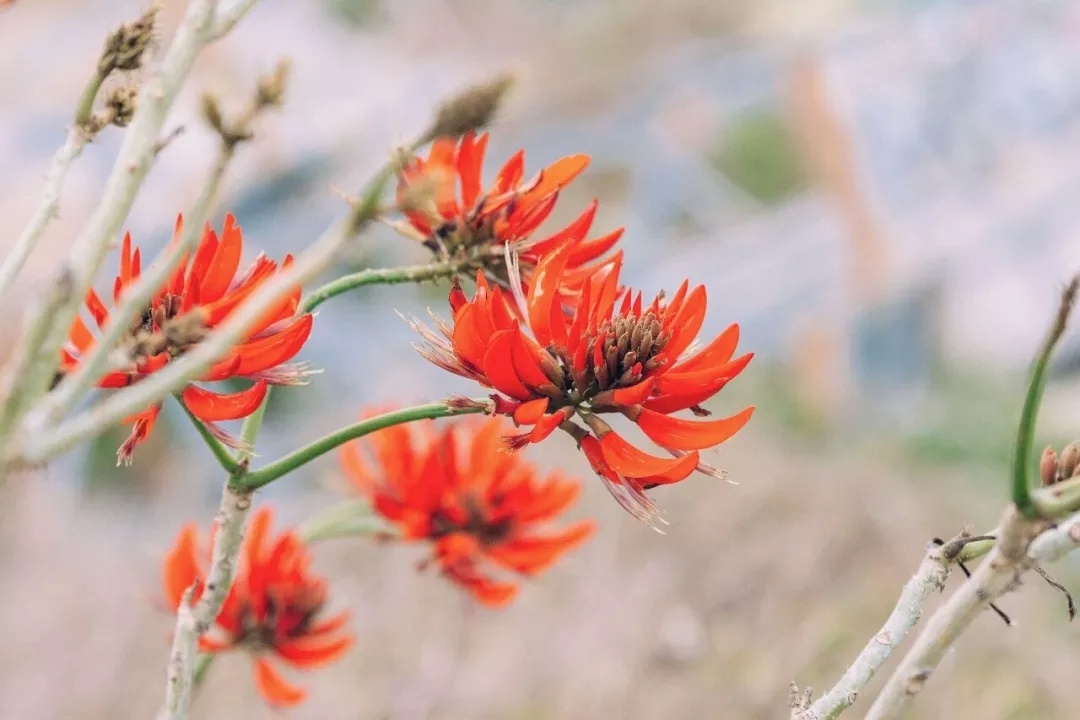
613,353
458,217
275,607
482,508
201,294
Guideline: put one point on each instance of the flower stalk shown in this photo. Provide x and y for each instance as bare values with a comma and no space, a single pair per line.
250,481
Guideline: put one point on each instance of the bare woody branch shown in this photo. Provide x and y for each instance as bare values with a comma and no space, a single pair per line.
134,39
193,622
103,358
928,579
49,328
999,572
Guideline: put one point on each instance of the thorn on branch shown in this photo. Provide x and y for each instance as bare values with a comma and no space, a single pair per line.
951,551
1060,588
164,142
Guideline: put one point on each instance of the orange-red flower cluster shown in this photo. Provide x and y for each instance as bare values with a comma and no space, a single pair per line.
275,607
463,219
609,355
203,291
483,509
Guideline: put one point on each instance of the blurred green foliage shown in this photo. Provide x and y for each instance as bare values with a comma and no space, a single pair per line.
358,13
758,154
972,422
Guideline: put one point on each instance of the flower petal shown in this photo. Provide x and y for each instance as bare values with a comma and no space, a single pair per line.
182,565
307,653
672,432
212,407
274,689
628,460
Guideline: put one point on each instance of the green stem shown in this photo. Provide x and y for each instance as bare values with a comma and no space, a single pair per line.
221,453
257,478
202,665
249,431
86,101
1059,499
380,276
1021,483
352,518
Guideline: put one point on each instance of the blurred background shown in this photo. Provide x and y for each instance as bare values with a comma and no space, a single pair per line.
882,192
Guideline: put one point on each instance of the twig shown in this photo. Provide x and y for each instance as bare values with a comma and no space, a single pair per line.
46,209
998,573
32,447
930,577
136,297
38,447
227,15
381,276
298,458
193,622
217,448
181,659
137,154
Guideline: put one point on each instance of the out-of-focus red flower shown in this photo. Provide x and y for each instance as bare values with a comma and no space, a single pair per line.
458,216
483,509
275,607
201,294
610,355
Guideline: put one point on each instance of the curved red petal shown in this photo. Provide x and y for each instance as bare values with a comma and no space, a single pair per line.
529,413
683,434
499,366
96,307
686,324
556,176
181,567
586,251
306,653
682,382
224,264
275,349
574,232
212,407
635,394
274,689
628,460
717,352
510,174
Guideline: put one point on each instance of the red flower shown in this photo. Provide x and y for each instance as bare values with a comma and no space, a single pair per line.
203,291
272,609
482,508
462,219
609,356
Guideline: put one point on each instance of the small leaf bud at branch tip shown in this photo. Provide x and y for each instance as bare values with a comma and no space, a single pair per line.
125,46
471,109
271,87
1048,467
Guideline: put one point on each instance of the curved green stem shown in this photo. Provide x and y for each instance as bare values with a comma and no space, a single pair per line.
380,276
1021,482
249,431
221,453
352,518
85,106
257,478
202,665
